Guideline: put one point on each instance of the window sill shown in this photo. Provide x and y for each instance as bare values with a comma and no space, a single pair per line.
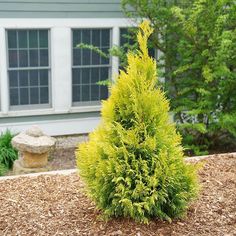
50,111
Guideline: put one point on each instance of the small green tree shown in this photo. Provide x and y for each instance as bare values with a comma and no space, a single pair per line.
198,42
133,163
205,102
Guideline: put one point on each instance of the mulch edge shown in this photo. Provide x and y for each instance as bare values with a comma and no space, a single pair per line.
55,172
72,171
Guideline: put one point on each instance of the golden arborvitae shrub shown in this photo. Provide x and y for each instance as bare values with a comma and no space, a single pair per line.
133,163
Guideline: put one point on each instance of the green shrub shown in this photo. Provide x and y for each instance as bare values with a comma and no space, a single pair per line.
133,164
7,153
197,41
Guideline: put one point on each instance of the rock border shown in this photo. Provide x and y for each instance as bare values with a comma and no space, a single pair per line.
72,171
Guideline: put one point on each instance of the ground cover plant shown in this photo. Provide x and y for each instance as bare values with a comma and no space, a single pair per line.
133,163
8,154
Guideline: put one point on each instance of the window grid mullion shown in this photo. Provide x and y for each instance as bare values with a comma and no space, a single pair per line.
38,49
80,87
90,70
99,87
28,74
18,64
29,68
39,86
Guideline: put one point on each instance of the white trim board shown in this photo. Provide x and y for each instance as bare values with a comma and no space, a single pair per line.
56,127
66,22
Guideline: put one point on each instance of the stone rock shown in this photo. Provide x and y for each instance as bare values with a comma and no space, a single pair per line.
33,160
33,146
35,131
25,142
18,169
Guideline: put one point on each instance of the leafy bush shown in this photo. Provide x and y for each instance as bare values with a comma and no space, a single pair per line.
133,163
7,153
197,39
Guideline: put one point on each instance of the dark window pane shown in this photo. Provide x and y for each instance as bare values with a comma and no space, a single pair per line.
95,58
34,96
14,97
85,75
23,78
86,56
151,52
96,38
12,42
13,58
34,78
76,37
86,36
43,38
127,36
24,96
76,76
23,58
43,77
13,79
85,93
44,95
22,39
95,93
43,57
33,39
76,93
77,56
123,38
105,38
105,60
104,73
94,75
33,54
103,92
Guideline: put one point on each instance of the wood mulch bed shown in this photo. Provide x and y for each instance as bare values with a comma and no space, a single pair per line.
56,205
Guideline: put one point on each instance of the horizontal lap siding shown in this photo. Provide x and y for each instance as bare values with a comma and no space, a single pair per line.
60,9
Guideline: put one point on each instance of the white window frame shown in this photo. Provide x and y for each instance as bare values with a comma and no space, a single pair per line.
31,106
60,51
97,102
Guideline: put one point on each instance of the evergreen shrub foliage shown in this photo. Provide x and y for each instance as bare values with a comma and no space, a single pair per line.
133,164
8,154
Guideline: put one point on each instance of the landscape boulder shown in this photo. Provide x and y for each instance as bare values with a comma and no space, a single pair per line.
33,146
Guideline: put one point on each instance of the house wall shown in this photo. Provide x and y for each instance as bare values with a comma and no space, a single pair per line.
60,9
60,17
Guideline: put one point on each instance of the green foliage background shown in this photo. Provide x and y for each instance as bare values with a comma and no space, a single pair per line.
133,163
197,39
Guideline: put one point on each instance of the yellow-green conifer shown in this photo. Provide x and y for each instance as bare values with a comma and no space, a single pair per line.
133,163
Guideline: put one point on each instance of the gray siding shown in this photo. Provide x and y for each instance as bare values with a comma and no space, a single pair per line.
60,9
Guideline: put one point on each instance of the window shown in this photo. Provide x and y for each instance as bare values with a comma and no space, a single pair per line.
89,67
28,68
